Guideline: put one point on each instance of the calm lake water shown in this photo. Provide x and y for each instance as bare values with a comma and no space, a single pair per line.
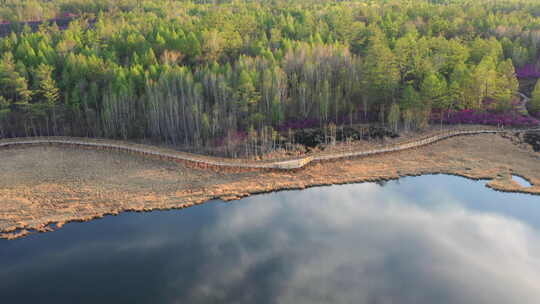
430,239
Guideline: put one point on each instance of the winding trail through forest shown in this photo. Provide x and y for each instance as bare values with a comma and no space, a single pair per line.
215,162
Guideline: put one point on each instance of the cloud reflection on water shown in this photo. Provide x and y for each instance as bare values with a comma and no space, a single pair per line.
363,244
432,239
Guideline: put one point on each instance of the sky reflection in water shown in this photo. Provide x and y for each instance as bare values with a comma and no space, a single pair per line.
430,239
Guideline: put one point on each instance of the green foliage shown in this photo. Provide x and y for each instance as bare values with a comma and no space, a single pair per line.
188,72
534,103
507,85
46,84
484,81
381,70
13,86
433,91
394,116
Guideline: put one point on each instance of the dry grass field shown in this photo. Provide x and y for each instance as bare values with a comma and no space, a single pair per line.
40,186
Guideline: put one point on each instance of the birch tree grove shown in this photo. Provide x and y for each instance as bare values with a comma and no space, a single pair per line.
211,78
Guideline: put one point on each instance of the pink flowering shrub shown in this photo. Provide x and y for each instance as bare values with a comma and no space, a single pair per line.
488,118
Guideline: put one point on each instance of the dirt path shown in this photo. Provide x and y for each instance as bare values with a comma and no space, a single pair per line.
43,185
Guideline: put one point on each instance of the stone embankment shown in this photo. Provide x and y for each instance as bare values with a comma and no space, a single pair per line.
225,163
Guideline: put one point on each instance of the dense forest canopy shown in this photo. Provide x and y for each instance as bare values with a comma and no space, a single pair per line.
205,73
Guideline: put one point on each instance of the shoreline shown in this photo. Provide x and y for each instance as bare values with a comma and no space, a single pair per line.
46,203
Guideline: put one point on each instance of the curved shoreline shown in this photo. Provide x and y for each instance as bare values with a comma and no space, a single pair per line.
487,156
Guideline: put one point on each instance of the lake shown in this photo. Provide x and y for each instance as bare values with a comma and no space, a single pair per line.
429,239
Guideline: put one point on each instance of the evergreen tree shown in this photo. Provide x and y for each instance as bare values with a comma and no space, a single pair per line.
534,103
13,86
434,94
381,73
507,85
47,87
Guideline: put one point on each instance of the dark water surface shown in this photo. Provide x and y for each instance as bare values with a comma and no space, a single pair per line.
431,239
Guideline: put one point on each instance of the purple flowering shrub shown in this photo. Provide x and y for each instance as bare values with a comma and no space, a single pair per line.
528,71
232,137
510,119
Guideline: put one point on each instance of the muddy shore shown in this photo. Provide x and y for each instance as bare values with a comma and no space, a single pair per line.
42,188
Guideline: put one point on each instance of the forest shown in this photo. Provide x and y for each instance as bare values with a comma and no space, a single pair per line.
210,76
